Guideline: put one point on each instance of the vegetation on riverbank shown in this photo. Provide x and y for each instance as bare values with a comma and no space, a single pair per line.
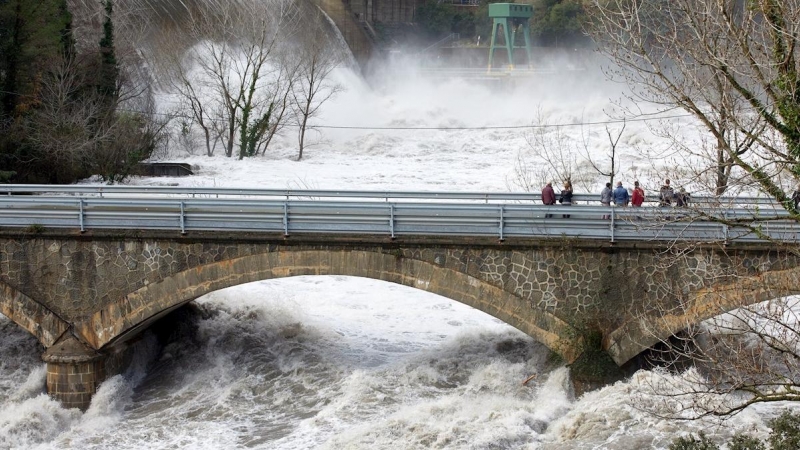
67,111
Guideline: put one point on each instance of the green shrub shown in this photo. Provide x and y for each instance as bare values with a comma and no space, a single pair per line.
785,433
6,175
702,442
35,228
742,441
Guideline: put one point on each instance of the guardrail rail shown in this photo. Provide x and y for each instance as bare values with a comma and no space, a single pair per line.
392,214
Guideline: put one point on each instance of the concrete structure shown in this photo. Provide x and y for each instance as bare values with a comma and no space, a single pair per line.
511,17
164,169
355,29
85,295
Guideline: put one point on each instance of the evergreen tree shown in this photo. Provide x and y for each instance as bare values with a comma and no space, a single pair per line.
559,22
32,34
109,70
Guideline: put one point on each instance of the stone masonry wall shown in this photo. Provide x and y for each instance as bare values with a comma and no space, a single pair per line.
588,285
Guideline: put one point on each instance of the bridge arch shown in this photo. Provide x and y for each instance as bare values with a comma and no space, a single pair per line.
143,305
31,315
640,333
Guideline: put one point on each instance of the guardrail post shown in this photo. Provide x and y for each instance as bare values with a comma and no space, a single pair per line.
183,219
502,221
286,218
80,217
391,220
613,220
725,231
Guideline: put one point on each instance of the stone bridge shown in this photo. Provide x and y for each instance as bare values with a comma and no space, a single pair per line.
85,295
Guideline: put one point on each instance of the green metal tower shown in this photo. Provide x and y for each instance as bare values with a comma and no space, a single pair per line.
511,16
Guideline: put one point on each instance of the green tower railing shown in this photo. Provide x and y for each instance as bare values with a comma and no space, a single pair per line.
511,16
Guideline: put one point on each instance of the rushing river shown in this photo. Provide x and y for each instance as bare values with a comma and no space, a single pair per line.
333,362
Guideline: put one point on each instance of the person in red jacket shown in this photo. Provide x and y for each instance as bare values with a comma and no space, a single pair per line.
638,195
548,197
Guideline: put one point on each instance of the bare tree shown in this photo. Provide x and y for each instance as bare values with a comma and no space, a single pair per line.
74,134
554,148
700,162
733,66
281,99
613,142
233,73
238,64
554,154
61,128
528,176
318,58
194,106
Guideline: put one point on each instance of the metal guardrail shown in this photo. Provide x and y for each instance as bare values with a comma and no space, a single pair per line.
391,214
289,194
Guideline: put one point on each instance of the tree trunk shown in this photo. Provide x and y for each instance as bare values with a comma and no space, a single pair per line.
302,135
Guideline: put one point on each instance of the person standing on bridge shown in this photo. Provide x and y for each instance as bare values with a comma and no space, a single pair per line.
605,197
638,195
666,194
566,197
548,197
621,197
682,198
796,196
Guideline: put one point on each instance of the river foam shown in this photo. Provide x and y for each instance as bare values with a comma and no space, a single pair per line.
308,362
337,362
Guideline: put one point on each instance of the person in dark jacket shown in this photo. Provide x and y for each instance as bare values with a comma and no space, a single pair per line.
666,194
621,197
682,198
566,197
548,197
796,196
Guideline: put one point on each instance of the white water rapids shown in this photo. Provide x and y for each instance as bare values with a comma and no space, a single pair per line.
333,362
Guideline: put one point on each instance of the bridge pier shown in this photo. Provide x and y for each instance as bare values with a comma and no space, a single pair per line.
74,370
